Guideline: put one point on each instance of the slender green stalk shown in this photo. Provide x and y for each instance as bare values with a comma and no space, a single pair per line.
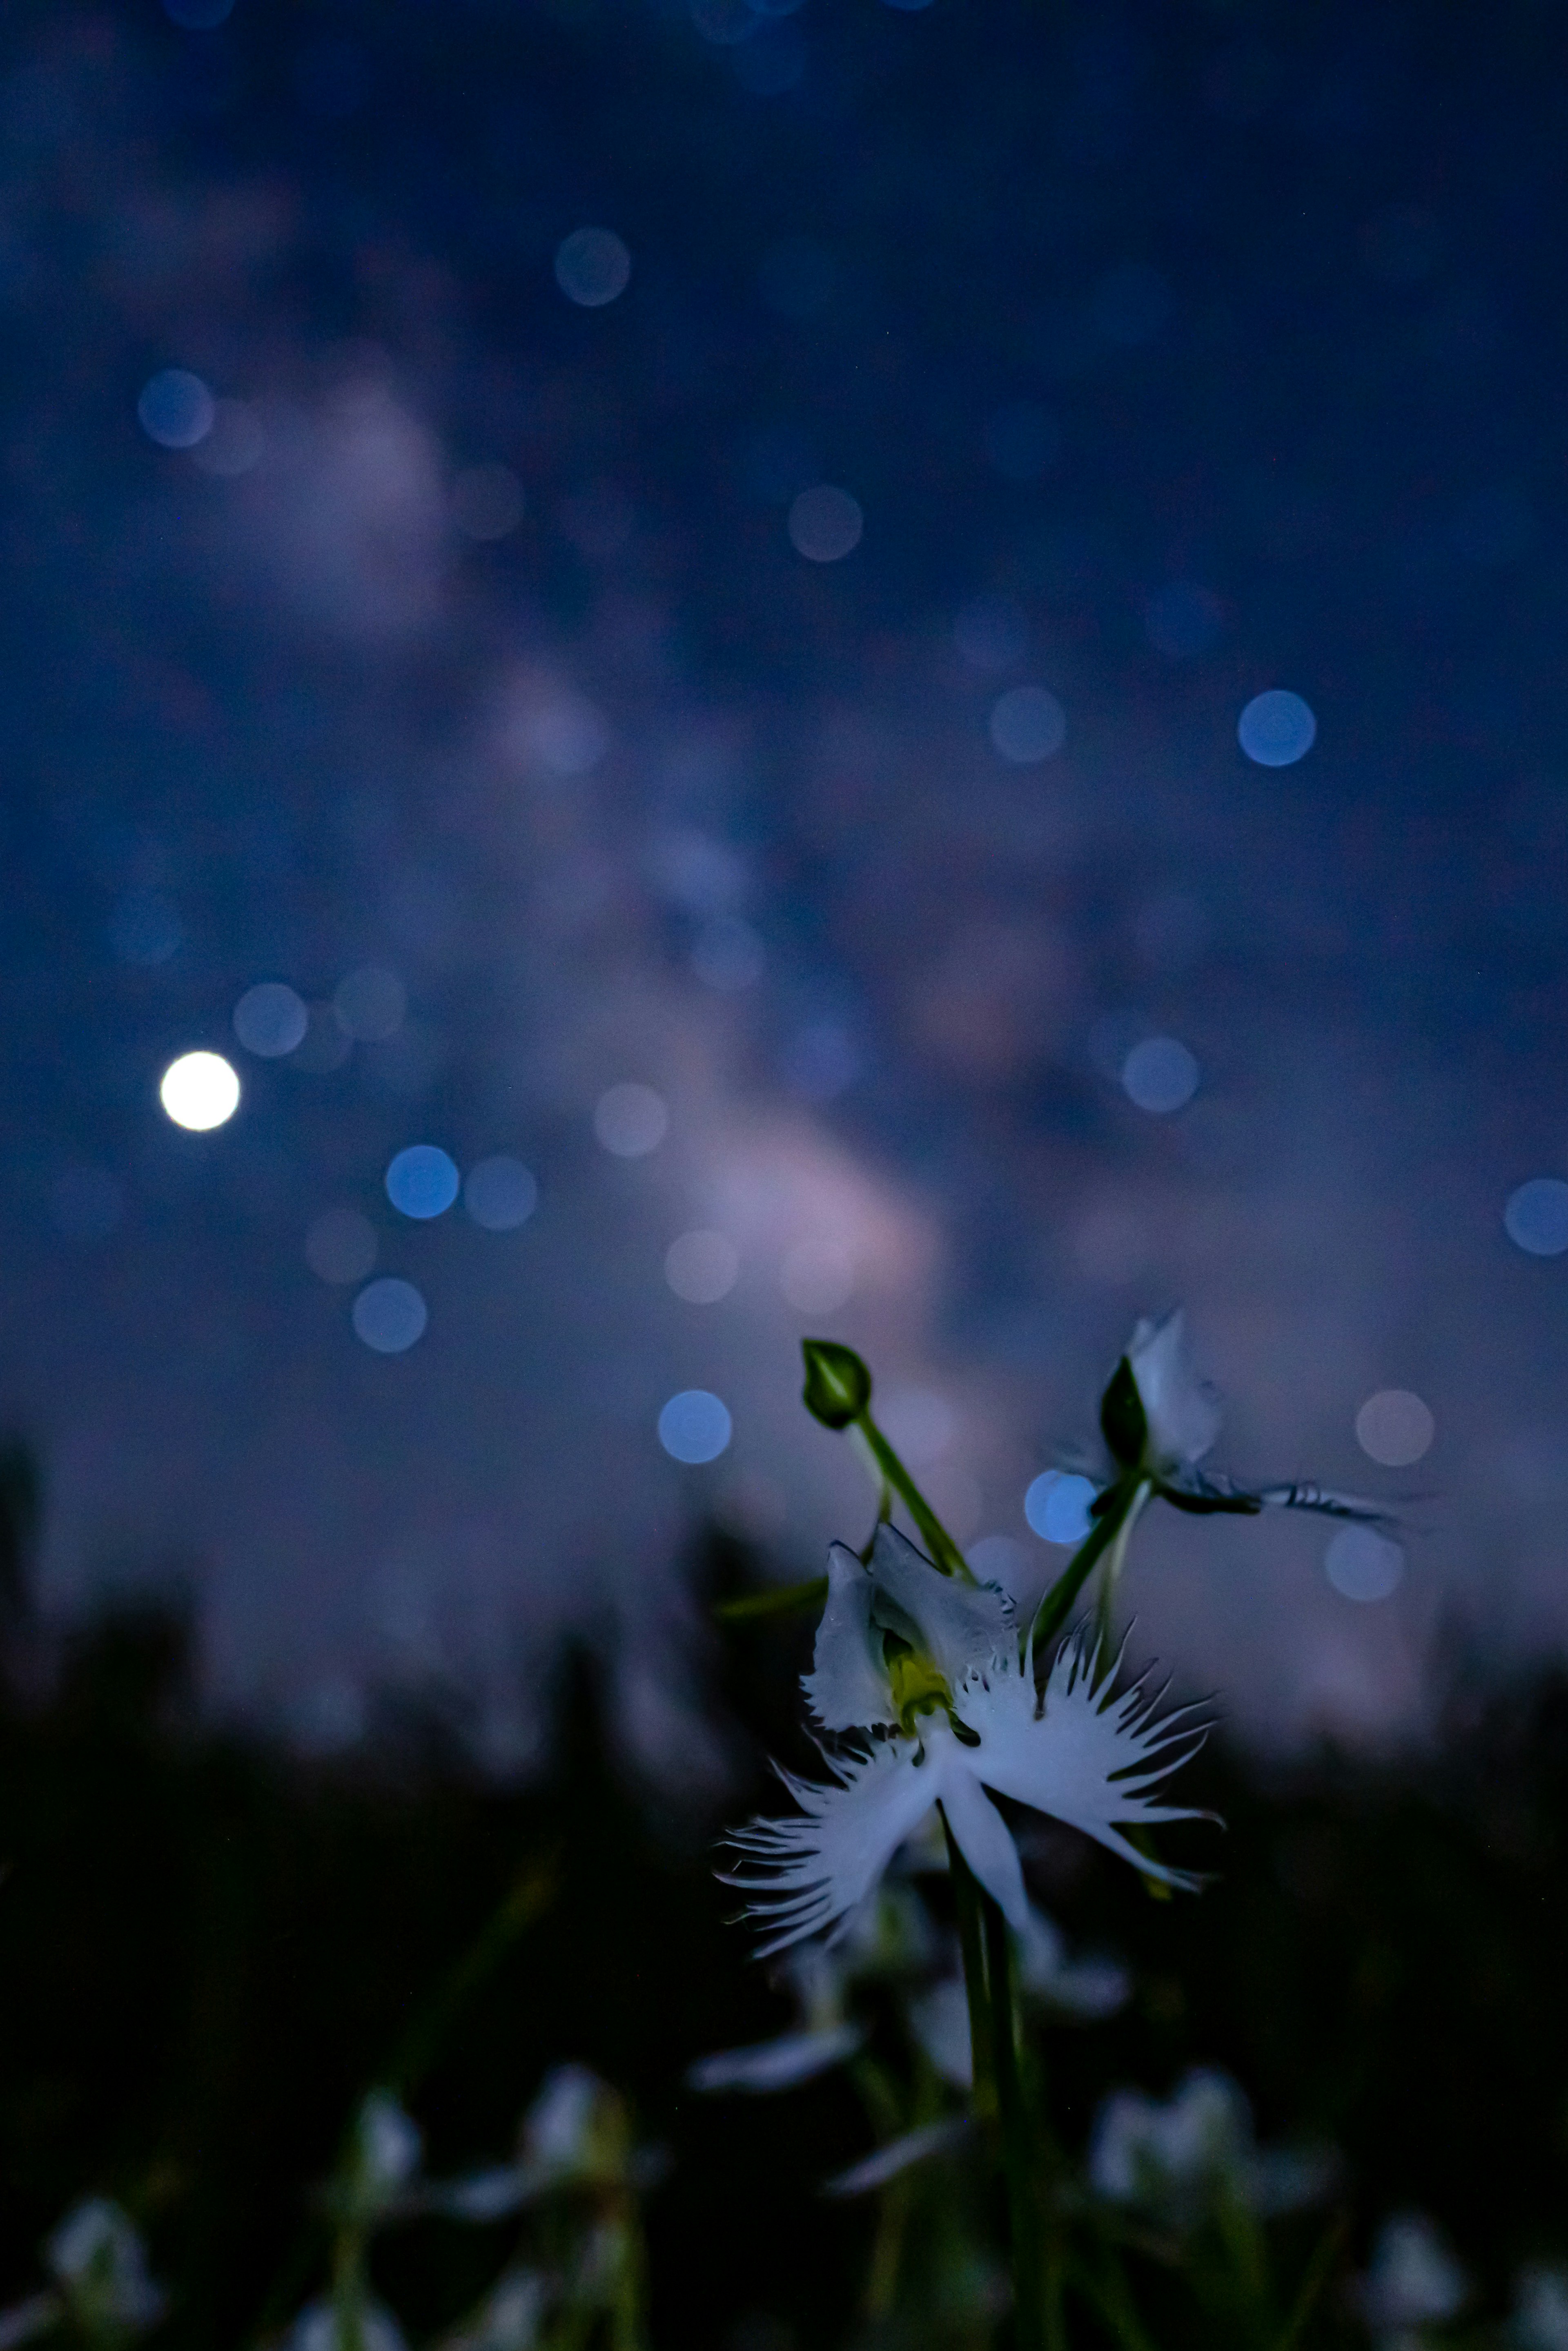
945,1554
1116,1559
967,1900
1126,1501
1024,2215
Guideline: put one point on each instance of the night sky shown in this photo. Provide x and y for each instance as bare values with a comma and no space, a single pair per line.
723,549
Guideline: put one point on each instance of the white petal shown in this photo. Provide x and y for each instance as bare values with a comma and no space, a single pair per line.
847,1688
805,1871
956,1624
1182,1415
983,1837
932,2138
776,2065
938,2019
1088,1756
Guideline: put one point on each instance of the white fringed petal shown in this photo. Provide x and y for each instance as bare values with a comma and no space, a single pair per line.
810,1868
847,1688
956,1624
1182,1415
1085,1754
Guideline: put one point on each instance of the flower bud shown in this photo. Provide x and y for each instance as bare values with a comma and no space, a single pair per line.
838,1383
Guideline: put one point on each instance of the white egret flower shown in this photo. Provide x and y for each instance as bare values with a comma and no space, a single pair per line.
823,2037
1412,2279
1159,1420
1177,2157
934,1666
100,2263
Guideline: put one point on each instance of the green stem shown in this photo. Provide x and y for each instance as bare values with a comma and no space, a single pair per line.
1024,2210
1052,1613
1110,1574
945,1554
967,1901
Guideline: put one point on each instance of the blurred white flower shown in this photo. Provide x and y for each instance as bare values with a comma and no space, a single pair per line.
100,2263
382,2164
936,1662
509,2318
938,2019
1412,2279
1540,2319
1092,1987
779,2063
576,2134
898,2154
325,2326
1178,2158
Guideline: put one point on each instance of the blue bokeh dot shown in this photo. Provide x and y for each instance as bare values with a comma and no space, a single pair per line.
422,1181
694,1426
1536,1217
1276,729
1058,1506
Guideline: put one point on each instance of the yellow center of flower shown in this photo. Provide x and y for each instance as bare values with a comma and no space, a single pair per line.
918,1686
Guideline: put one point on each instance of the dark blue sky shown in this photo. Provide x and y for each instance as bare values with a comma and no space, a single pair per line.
1164,356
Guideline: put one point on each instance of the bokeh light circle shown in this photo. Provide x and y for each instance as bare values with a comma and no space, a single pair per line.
176,409
1395,1427
422,1181
694,1426
701,1267
630,1120
500,1193
200,1091
1056,1506
1027,725
825,523
370,1004
592,267
1276,729
1364,1566
340,1245
1536,1217
270,1019
390,1315
1160,1075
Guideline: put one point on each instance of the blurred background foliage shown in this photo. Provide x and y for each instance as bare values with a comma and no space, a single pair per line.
210,1948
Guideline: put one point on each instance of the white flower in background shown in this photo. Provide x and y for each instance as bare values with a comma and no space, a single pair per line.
1176,2159
101,2263
934,1664
366,2326
510,2318
823,2037
576,2134
1091,1988
898,2154
381,2164
1412,2279
1540,2320
1159,1420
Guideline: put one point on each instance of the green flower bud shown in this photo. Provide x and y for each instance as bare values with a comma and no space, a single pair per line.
837,1385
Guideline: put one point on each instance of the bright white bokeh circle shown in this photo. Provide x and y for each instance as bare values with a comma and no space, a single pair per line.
199,1091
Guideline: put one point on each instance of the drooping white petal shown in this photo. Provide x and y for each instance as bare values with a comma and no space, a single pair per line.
898,2154
982,1835
1182,1414
848,1687
956,1624
1087,1755
805,1872
776,2065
